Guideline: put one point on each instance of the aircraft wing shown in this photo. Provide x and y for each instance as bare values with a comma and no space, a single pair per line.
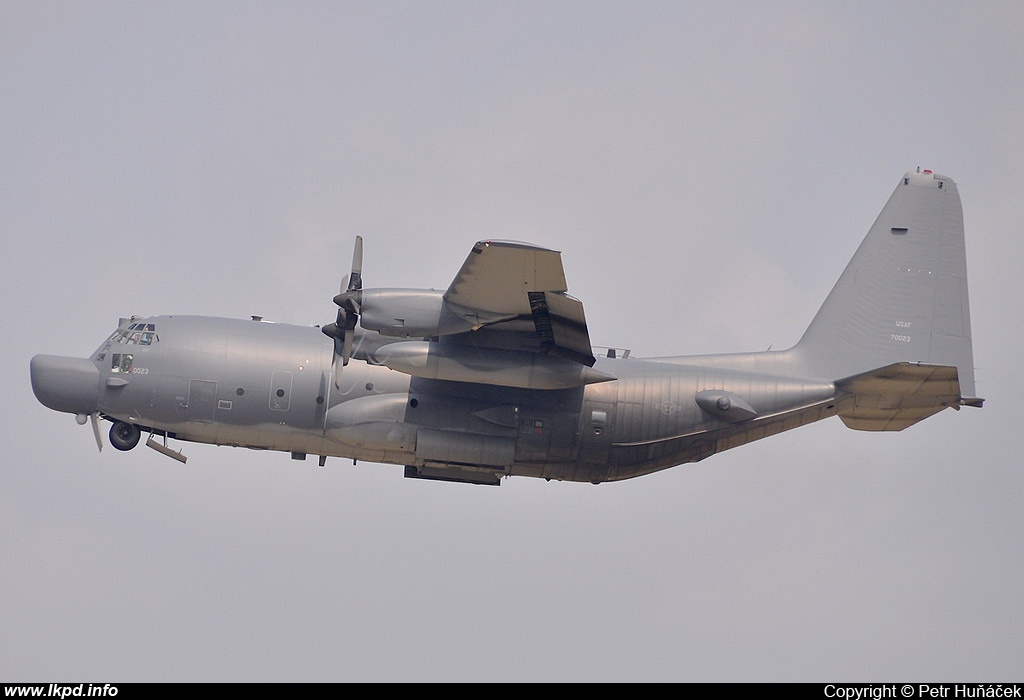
514,296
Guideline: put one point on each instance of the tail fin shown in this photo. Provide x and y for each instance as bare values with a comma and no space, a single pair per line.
903,296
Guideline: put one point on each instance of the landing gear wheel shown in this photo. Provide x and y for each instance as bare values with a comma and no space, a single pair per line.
124,436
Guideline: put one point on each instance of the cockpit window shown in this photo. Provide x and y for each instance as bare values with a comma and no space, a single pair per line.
121,363
136,334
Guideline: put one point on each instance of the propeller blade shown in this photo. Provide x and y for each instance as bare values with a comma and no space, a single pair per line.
346,350
337,368
356,280
348,301
94,418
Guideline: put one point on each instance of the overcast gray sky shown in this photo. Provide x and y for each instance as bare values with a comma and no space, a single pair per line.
707,169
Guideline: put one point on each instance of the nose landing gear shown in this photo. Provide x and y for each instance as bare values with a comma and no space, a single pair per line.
124,436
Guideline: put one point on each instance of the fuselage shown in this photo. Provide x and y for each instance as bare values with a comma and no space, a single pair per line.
272,386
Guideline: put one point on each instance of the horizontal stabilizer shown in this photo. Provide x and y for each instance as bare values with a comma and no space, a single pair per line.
897,396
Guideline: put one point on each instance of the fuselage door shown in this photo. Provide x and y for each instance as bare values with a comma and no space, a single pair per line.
202,398
597,421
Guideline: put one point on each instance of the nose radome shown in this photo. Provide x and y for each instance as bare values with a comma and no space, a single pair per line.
66,384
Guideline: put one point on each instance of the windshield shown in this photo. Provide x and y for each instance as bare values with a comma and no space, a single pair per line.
135,334
132,332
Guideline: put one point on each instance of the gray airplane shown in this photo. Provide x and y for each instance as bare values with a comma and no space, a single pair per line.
496,375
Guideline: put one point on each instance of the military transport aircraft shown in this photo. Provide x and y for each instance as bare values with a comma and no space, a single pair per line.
496,375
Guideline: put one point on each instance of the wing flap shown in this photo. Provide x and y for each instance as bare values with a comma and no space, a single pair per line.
561,326
507,285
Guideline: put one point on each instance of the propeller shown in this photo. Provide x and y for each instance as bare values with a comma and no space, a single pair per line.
348,301
94,418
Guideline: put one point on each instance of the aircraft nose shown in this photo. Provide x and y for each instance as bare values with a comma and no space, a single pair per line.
66,384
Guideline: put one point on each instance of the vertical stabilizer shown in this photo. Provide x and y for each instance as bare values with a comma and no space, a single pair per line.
903,296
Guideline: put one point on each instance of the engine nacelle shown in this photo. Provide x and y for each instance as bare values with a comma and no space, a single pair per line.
374,422
410,313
